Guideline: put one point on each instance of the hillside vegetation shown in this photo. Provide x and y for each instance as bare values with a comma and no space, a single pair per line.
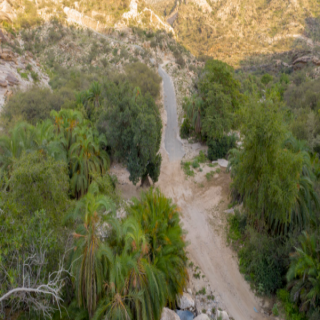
70,246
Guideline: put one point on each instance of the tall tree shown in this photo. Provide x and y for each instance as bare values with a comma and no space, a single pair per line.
266,174
132,125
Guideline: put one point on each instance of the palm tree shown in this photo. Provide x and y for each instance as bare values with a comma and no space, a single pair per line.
159,219
91,255
86,158
304,273
19,140
83,147
193,107
94,93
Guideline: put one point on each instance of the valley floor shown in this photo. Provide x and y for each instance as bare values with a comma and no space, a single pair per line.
202,205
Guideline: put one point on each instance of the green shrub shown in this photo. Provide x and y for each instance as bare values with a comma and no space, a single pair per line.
266,78
219,148
275,310
185,129
209,175
34,76
186,168
202,291
33,105
24,75
140,75
237,225
195,164
265,259
201,158
291,310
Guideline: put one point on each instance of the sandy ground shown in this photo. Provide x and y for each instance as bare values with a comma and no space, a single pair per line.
202,204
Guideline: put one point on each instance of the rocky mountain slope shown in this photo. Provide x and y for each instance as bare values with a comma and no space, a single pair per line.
231,30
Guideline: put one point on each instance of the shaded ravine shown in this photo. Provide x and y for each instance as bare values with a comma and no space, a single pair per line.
173,145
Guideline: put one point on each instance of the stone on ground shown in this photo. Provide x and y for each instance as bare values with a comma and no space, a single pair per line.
223,163
202,316
222,315
185,301
168,314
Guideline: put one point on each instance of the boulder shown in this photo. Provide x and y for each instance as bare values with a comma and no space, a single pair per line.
185,301
221,315
6,56
198,307
168,314
3,83
223,163
202,316
185,314
12,80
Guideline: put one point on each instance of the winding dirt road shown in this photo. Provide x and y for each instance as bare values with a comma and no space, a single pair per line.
203,218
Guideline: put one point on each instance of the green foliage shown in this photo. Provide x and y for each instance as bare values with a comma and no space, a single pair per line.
160,221
291,310
70,139
195,164
275,310
133,129
209,175
219,148
201,158
266,171
140,75
304,274
266,78
33,105
201,291
23,236
264,260
82,148
39,183
237,226
186,168
88,265
212,110
29,17
185,129
34,76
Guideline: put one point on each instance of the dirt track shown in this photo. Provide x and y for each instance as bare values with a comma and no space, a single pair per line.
203,218
202,204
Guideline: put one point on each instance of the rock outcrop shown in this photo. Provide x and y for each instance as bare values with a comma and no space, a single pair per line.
168,314
185,301
202,316
220,315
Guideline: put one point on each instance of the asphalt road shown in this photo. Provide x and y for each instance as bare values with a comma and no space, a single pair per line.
172,142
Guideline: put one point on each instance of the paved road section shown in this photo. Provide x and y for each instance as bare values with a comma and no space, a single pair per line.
172,142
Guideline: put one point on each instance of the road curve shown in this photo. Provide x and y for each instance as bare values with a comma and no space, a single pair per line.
172,142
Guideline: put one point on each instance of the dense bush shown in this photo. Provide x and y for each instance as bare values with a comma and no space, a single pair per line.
132,128
49,181
34,105
264,259
266,78
212,108
140,75
219,148
185,129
